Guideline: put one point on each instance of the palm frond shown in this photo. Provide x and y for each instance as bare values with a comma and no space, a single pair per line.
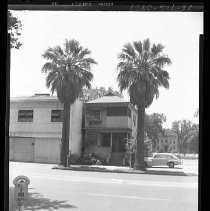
140,71
161,61
146,45
138,46
68,70
128,49
156,49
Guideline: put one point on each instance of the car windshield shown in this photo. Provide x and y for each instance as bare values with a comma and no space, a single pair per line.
174,157
158,156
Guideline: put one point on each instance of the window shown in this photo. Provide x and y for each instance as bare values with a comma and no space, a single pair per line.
95,114
161,141
168,157
129,112
158,156
25,115
134,120
118,111
57,116
166,141
92,139
174,142
106,140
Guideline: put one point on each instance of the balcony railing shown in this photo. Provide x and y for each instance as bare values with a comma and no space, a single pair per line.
94,122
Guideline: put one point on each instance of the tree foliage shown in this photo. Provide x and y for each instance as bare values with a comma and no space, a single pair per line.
141,72
97,92
196,114
153,127
148,148
185,131
194,144
68,71
14,27
131,147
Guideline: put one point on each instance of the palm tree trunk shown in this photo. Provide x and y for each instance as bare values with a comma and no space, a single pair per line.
65,134
139,156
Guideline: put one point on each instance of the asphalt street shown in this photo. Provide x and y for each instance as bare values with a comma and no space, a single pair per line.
52,189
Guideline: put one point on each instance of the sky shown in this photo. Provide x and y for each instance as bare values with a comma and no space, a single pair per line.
105,33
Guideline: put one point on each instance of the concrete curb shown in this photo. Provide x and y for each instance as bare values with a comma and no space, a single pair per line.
153,172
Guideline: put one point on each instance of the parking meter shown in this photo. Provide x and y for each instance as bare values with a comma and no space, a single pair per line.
21,190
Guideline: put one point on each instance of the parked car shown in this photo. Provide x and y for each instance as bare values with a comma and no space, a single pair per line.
162,159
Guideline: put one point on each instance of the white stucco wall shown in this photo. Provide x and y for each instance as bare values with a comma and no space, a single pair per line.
75,142
47,134
41,125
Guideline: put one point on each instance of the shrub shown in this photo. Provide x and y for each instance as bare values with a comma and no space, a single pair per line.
91,159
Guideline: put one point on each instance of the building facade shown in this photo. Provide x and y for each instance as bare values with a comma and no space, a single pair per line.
168,142
36,128
109,121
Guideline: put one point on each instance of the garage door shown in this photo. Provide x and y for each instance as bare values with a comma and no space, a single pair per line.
47,150
23,149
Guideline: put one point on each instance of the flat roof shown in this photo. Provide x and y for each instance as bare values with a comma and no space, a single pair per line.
108,99
40,97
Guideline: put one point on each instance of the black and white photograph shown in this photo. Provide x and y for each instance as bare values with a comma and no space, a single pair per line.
104,110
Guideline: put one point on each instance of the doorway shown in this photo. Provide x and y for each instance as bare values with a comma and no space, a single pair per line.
118,142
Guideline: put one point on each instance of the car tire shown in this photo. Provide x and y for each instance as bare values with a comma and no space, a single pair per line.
171,164
145,164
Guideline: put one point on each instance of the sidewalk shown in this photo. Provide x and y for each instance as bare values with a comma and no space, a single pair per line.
176,171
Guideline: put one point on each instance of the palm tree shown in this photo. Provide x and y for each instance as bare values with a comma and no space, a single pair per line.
67,72
141,73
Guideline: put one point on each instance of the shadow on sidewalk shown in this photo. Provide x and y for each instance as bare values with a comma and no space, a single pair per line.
35,201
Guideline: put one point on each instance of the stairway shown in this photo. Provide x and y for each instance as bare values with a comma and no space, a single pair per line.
117,159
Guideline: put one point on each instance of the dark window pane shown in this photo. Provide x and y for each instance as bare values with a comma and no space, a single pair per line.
92,139
25,116
106,139
95,114
117,111
134,120
129,112
57,116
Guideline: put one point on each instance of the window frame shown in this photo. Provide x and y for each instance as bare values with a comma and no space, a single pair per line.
134,119
103,140
118,111
94,142
158,156
91,116
25,117
60,115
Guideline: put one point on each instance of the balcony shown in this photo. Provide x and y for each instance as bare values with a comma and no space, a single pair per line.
118,122
94,122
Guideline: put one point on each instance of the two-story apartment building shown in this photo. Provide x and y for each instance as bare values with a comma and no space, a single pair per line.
108,122
168,142
36,128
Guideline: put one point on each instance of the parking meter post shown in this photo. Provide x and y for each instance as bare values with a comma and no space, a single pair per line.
21,205
21,190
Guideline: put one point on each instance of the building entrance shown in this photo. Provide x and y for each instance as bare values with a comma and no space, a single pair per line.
118,142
